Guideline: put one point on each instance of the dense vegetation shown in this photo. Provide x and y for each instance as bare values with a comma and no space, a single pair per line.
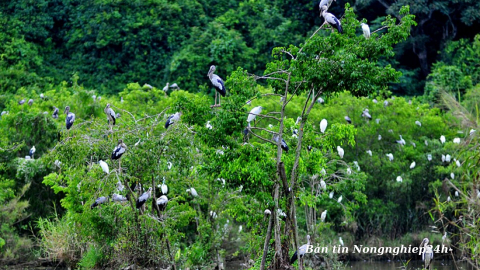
89,54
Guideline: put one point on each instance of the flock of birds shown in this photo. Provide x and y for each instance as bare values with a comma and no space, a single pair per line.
219,86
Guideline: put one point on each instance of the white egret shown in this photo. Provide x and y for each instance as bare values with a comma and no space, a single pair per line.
331,195
340,151
366,30
442,139
379,137
193,192
448,199
448,158
399,179
443,158
458,163
164,187
377,120
366,114
104,166
340,199
209,126
456,193
349,171
323,172
267,212
456,140
429,157
426,143
418,123
444,237
341,241
369,152
323,216
401,141
452,175
323,185
323,125
390,156
412,165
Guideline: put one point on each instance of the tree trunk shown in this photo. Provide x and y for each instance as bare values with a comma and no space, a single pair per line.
267,242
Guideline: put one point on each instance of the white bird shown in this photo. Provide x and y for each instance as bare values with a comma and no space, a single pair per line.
174,85
118,198
267,212
70,117
349,171
253,113
443,158
42,96
142,199
442,139
377,120
221,180
21,102
324,3
193,192
331,195
444,237
356,165
218,84
472,131
30,102
390,156
452,175
412,165
323,215
341,241
323,172
3,113
213,214
426,143
320,100
240,228
298,120
172,119
427,255
401,141
162,202
148,85
366,114
456,193
323,125
429,157
331,19
399,179
104,166
280,213
414,144
340,151
323,185
385,103
418,123
32,151
456,140
448,199
165,89
120,186
458,163
301,251
366,30
121,99
340,199
164,187
169,165
209,126
448,158
379,137
369,152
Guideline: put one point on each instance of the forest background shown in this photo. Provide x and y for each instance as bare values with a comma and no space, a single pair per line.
126,51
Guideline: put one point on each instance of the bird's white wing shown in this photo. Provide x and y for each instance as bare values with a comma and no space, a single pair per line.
70,118
111,112
366,30
331,19
217,82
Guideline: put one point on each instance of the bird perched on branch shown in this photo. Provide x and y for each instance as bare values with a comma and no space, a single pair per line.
301,251
217,83
172,119
162,203
70,118
331,19
110,115
283,144
119,150
98,202
253,114
32,152
366,30
142,199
